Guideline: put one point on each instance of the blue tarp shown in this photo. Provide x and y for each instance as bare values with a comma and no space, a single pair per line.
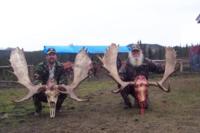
90,49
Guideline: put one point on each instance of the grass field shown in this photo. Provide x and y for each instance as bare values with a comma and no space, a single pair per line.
174,112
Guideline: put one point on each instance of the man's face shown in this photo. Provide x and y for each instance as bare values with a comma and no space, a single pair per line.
51,58
136,57
135,53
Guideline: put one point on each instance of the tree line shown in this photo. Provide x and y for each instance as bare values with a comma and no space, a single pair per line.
152,51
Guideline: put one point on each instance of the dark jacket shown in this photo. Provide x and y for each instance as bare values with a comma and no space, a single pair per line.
130,72
43,71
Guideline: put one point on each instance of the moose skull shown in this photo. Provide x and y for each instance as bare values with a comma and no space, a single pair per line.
141,92
109,61
52,94
51,89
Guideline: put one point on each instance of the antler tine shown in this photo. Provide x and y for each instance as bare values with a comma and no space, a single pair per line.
109,61
81,69
157,84
100,58
30,94
19,65
170,64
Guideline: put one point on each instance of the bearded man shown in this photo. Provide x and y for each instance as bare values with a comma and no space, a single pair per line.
136,66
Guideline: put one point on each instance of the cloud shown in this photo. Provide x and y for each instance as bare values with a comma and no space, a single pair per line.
34,23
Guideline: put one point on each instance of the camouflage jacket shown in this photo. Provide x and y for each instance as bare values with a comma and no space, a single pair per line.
41,73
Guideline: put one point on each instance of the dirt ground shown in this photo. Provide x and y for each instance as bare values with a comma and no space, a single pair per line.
174,112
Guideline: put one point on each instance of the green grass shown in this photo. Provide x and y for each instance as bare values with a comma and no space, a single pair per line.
19,111
8,95
181,105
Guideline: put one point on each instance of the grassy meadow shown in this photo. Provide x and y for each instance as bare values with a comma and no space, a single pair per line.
177,111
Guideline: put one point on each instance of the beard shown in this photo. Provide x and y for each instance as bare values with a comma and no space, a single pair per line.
136,61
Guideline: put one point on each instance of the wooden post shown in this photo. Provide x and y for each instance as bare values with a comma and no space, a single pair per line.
181,66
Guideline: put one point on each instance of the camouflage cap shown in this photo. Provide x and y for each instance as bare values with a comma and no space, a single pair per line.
132,47
51,50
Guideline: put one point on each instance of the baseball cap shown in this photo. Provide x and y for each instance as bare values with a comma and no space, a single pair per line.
132,47
51,50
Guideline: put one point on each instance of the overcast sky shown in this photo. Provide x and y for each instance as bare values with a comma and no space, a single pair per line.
31,24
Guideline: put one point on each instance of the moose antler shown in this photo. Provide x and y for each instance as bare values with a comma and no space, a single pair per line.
19,65
170,64
109,63
81,69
